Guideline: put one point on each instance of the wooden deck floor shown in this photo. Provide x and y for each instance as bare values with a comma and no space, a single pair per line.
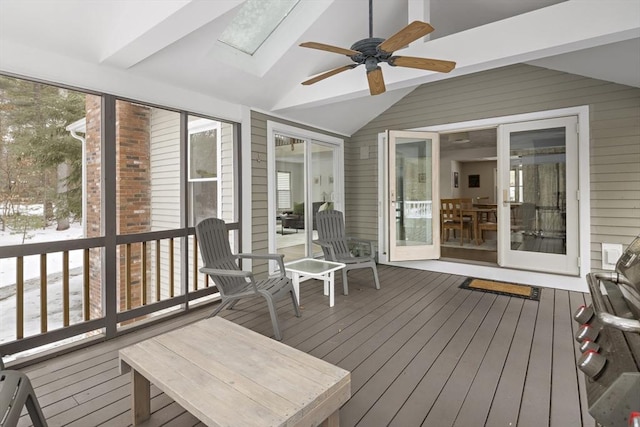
420,350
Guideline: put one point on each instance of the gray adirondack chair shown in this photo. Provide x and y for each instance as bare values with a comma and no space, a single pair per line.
335,246
16,392
232,282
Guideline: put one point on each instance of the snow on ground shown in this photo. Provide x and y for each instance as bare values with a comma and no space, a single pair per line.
32,263
32,283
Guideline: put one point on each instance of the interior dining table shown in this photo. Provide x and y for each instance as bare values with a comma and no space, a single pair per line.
476,214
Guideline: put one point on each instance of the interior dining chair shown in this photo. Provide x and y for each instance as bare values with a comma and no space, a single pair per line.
235,284
486,226
452,219
335,246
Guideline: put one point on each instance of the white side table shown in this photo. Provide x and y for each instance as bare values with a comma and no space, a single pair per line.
309,268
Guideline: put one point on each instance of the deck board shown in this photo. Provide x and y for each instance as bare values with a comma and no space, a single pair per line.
421,351
452,397
536,395
478,401
565,399
508,395
432,378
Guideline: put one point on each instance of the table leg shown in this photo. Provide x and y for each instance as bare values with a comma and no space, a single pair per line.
325,281
332,421
295,278
331,290
140,397
475,228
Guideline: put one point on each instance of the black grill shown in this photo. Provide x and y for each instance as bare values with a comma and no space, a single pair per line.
610,337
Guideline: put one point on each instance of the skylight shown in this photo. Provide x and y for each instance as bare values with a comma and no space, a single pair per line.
255,22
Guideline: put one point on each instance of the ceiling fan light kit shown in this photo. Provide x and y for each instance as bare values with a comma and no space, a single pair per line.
373,50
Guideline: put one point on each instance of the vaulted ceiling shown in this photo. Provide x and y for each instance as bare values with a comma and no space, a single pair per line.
121,46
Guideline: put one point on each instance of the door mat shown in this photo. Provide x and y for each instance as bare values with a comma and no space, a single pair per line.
502,288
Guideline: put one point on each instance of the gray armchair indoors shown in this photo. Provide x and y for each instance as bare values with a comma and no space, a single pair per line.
232,282
335,246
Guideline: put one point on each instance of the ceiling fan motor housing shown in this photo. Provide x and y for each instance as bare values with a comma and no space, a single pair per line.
369,54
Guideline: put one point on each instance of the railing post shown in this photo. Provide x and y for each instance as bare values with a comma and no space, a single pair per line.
19,297
43,293
144,273
86,282
65,288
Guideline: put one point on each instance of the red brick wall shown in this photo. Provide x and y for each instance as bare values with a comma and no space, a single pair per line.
133,206
133,190
94,197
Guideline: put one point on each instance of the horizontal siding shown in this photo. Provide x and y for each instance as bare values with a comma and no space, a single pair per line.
614,147
165,169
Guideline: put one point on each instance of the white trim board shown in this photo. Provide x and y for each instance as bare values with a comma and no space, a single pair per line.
545,280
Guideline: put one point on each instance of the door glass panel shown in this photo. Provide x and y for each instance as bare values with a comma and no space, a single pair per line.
305,185
322,185
290,196
538,190
414,198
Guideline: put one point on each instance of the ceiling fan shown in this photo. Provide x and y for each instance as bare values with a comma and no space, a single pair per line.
372,50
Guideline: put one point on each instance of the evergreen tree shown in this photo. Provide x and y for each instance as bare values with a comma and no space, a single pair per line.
33,117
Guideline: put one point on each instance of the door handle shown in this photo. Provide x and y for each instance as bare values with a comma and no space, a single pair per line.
393,196
506,201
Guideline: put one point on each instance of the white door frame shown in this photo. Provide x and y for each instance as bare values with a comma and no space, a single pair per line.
575,283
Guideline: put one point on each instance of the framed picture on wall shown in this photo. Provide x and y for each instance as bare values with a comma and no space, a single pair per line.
474,181
456,180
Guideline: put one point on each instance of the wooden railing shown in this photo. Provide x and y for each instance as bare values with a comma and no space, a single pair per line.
417,209
155,272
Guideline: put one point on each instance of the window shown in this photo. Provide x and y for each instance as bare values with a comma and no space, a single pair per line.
56,152
284,190
204,152
516,184
255,22
43,144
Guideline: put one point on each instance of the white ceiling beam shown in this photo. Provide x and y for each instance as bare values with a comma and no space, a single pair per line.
565,27
419,10
166,22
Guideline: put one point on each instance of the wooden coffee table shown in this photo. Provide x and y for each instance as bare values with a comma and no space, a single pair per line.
225,374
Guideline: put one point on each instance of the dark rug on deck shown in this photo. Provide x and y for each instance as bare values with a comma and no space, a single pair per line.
502,288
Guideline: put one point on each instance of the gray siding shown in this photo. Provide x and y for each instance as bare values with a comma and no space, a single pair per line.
614,112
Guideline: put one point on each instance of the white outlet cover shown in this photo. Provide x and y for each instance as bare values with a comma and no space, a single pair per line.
611,252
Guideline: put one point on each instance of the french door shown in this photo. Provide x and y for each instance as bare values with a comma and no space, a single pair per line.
413,195
538,198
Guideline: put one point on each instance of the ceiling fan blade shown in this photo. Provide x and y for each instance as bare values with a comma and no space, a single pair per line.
329,48
329,73
410,33
376,81
422,63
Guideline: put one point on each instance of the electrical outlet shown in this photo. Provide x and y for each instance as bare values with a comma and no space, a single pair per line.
611,252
